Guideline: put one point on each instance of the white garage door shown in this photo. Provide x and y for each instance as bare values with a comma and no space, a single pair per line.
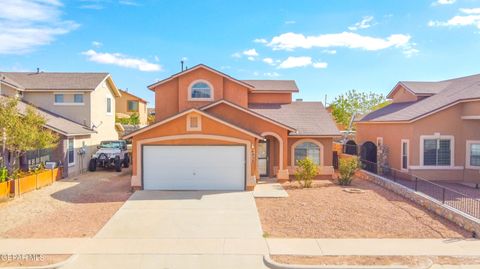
193,167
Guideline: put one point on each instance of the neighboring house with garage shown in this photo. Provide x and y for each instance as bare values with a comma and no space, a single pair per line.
128,104
80,107
215,132
431,129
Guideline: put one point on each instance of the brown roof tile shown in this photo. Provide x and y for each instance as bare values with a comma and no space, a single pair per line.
273,85
55,81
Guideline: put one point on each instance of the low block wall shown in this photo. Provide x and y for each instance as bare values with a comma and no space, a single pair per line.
461,219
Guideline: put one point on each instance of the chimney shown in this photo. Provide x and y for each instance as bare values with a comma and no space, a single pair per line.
299,100
181,62
38,70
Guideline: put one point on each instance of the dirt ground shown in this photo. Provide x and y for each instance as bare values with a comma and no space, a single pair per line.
74,207
327,211
411,261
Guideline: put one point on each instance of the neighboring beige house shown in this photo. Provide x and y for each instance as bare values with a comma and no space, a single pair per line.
80,107
431,130
128,104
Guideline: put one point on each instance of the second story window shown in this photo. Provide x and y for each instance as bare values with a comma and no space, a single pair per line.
59,98
109,105
132,106
78,98
201,91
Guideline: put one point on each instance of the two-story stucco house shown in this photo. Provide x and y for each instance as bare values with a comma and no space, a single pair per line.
80,107
431,129
215,132
128,104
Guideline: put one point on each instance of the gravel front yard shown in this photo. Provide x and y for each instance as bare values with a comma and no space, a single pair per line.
76,207
327,211
410,261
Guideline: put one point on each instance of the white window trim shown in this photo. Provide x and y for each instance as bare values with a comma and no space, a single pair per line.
199,121
212,90
452,153
70,164
407,141
111,105
379,141
467,155
292,150
68,103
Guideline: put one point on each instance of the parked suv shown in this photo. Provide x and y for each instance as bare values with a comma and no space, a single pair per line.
112,153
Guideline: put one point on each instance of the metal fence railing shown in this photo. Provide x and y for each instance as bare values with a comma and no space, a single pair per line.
442,194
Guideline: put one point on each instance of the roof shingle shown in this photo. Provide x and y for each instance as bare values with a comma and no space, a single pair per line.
308,118
55,81
273,85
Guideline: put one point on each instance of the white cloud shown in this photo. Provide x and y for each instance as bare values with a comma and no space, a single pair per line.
97,44
290,22
321,65
269,61
329,51
28,24
250,52
260,40
237,55
128,3
365,23
251,58
444,2
271,74
471,18
302,61
291,41
121,60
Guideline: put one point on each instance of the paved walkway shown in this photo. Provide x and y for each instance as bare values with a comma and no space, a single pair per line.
269,190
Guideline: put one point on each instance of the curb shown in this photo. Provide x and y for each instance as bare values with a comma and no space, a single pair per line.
276,265
50,266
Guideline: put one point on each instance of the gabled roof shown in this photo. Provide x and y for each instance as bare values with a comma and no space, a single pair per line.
273,85
57,81
308,118
444,94
203,113
55,122
198,66
130,94
249,111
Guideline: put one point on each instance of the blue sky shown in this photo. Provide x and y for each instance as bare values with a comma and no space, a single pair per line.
328,47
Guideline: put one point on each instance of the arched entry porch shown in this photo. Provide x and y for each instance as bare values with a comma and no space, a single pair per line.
269,155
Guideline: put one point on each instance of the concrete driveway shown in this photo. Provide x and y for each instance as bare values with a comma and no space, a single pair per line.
185,214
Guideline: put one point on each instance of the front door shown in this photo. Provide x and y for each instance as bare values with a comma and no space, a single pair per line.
263,158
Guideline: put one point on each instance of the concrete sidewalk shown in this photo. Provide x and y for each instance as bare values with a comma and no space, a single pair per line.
238,246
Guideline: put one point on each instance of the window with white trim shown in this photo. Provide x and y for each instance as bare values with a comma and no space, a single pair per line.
71,151
59,98
307,149
200,90
474,154
405,144
109,105
437,152
78,98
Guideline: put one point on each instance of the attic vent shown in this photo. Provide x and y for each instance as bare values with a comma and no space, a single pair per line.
299,100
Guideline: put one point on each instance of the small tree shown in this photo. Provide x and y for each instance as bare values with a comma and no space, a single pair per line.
305,172
22,132
351,102
347,168
134,119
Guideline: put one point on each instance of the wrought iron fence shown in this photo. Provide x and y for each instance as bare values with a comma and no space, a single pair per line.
444,195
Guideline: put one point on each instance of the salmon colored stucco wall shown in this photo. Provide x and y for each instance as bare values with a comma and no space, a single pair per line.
446,122
121,106
178,127
402,95
270,98
172,96
250,122
166,96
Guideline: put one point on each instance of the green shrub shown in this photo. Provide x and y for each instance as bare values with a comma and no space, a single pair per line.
305,172
3,174
347,168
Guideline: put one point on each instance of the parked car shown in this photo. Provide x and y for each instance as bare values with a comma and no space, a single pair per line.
112,153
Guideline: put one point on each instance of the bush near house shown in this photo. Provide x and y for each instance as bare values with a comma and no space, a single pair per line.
305,172
134,119
20,133
347,167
